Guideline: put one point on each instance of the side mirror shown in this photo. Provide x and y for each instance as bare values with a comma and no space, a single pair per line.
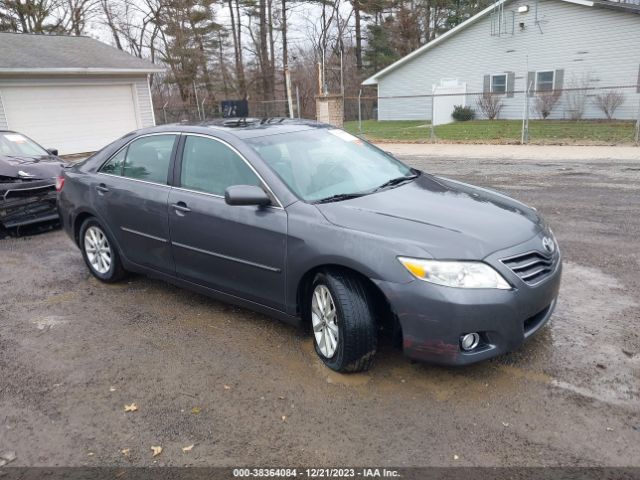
53,151
246,195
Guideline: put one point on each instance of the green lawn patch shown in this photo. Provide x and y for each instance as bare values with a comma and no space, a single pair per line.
586,132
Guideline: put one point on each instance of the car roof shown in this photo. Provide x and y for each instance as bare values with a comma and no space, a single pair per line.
244,128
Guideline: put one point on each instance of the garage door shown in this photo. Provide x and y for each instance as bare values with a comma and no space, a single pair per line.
73,119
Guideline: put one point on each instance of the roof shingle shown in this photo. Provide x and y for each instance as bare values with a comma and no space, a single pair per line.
67,54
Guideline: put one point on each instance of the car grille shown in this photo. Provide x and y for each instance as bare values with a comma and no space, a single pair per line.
532,267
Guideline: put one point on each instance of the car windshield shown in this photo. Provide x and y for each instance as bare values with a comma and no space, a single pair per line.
16,145
329,164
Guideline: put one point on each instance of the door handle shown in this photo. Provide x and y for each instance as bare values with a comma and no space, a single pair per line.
102,188
181,207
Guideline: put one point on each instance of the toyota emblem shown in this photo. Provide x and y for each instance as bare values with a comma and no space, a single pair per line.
548,244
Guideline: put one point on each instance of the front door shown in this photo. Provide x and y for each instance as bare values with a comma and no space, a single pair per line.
131,193
239,250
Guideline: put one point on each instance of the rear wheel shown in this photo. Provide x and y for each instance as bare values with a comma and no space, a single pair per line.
99,252
344,333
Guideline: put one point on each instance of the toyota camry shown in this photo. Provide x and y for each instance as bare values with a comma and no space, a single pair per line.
309,224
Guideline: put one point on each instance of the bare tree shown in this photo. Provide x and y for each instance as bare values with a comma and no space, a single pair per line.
609,102
46,16
490,105
236,34
576,96
544,103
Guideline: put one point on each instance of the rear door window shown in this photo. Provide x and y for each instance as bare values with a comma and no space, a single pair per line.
145,159
148,158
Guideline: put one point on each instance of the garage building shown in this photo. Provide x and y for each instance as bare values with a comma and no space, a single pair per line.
75,94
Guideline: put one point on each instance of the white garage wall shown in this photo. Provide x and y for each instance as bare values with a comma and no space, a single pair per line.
3,117
140,84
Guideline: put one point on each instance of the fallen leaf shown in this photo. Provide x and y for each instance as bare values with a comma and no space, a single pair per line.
456,457
90,454
188,449
505,424
280,398
284,418
156,451
8,457
227,387
196,410
609,429
112,389
125,451
130,408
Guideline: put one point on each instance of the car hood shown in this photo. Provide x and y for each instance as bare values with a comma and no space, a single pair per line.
31,168
444,218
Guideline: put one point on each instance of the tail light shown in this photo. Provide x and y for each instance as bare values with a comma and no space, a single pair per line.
59,183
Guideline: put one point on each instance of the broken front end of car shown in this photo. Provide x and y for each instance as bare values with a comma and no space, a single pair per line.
26,201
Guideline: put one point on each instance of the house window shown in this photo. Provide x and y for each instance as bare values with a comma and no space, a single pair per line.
544,81
499,83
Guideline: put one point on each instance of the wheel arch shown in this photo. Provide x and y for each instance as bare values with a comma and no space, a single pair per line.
384,316
79,219
82,217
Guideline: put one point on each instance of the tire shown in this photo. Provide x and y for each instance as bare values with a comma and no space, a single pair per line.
92,234
355,346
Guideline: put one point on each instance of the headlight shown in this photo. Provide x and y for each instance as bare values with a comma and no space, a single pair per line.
455,274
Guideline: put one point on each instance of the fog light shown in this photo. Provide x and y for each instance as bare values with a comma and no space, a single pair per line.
469,341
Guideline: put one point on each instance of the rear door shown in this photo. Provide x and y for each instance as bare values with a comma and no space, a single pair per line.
239,250
131,193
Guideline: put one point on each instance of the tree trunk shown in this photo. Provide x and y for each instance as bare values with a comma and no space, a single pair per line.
285,53
356,13
263,50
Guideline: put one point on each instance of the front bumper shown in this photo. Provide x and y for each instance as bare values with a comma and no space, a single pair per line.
26,203
433,318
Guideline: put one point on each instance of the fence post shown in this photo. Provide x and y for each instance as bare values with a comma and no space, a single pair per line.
360,112
202,107
298,101
164,111
525,117
638,125
432,133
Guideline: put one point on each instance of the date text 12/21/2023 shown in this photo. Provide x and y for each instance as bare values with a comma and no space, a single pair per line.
315,472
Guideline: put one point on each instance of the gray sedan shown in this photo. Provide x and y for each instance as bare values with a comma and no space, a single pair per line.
316,227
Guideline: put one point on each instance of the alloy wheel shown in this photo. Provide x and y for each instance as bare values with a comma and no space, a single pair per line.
98,250
324,318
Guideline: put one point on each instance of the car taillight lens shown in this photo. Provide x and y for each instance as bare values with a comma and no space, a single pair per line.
59,183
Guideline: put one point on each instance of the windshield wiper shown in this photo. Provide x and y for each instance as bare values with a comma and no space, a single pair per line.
339,197
395,181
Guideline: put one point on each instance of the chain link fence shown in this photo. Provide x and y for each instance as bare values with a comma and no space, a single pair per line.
183,113
603,115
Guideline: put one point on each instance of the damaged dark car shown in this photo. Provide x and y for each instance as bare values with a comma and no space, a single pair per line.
28,175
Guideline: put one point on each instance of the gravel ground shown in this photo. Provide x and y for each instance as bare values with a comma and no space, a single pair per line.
247,390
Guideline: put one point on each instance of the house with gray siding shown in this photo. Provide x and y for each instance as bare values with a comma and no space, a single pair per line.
574,49
75,94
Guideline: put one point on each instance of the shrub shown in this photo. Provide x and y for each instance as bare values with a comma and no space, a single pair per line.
576,96
490,105
545,103
609,102
462,114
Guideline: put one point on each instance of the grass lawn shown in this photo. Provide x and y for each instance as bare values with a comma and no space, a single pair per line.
500,131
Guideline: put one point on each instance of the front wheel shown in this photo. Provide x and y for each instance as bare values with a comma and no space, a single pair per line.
343,324
99,252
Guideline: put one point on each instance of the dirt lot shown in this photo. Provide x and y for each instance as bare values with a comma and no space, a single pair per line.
246,390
